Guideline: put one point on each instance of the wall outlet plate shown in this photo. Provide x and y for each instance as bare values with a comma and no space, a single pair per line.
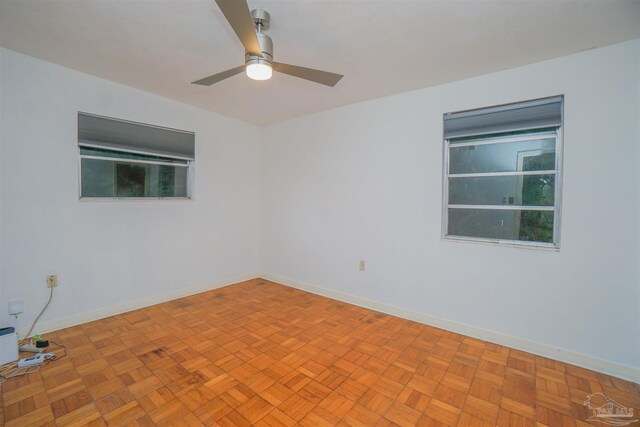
16,306
52,281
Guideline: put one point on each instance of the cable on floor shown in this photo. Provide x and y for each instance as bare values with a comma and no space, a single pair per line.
11,370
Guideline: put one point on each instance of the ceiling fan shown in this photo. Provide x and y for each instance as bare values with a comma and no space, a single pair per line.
258,57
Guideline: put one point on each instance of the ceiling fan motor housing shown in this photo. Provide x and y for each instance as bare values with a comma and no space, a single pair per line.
262,21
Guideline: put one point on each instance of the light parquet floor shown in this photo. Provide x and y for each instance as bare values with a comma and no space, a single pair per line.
259,353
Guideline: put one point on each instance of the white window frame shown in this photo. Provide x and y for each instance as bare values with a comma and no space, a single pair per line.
188,164
484,140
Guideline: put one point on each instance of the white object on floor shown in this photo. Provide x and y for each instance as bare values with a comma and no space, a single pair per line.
38,359
8,348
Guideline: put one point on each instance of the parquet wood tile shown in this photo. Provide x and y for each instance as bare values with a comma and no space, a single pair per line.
259,353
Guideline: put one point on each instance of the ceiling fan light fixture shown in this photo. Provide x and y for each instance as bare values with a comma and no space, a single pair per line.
259,70
258,48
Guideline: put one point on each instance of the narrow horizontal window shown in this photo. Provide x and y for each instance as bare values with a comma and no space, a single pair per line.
126,160
108,175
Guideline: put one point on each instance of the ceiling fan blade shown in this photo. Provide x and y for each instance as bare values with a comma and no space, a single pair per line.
208,81
322,77
239,17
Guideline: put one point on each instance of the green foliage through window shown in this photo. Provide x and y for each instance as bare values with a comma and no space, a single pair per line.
113,174
502,189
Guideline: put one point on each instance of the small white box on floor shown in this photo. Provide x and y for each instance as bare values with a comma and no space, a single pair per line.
8,347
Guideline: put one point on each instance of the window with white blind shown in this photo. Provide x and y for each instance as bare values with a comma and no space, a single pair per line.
120,159
502,174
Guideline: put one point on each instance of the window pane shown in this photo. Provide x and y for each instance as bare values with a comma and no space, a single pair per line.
527,190
130,180
98,178
533,155
531,226
106,178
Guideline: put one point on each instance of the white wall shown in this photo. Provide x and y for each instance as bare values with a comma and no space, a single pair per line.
110,253
359,182
2,300
364,182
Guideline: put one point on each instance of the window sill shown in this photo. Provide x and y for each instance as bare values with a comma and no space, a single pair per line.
550,247
135,199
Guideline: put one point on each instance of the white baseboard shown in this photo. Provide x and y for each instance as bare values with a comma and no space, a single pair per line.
540,349
567,356
89,316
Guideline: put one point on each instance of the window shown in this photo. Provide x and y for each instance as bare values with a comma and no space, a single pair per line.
502,169
127,160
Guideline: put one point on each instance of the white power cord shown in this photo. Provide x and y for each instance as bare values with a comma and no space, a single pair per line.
17,372
37,318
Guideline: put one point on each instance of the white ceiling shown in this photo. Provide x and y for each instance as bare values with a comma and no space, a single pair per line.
382,47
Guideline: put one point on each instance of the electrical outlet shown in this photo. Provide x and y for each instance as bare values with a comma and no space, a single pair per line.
52,281
361,265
